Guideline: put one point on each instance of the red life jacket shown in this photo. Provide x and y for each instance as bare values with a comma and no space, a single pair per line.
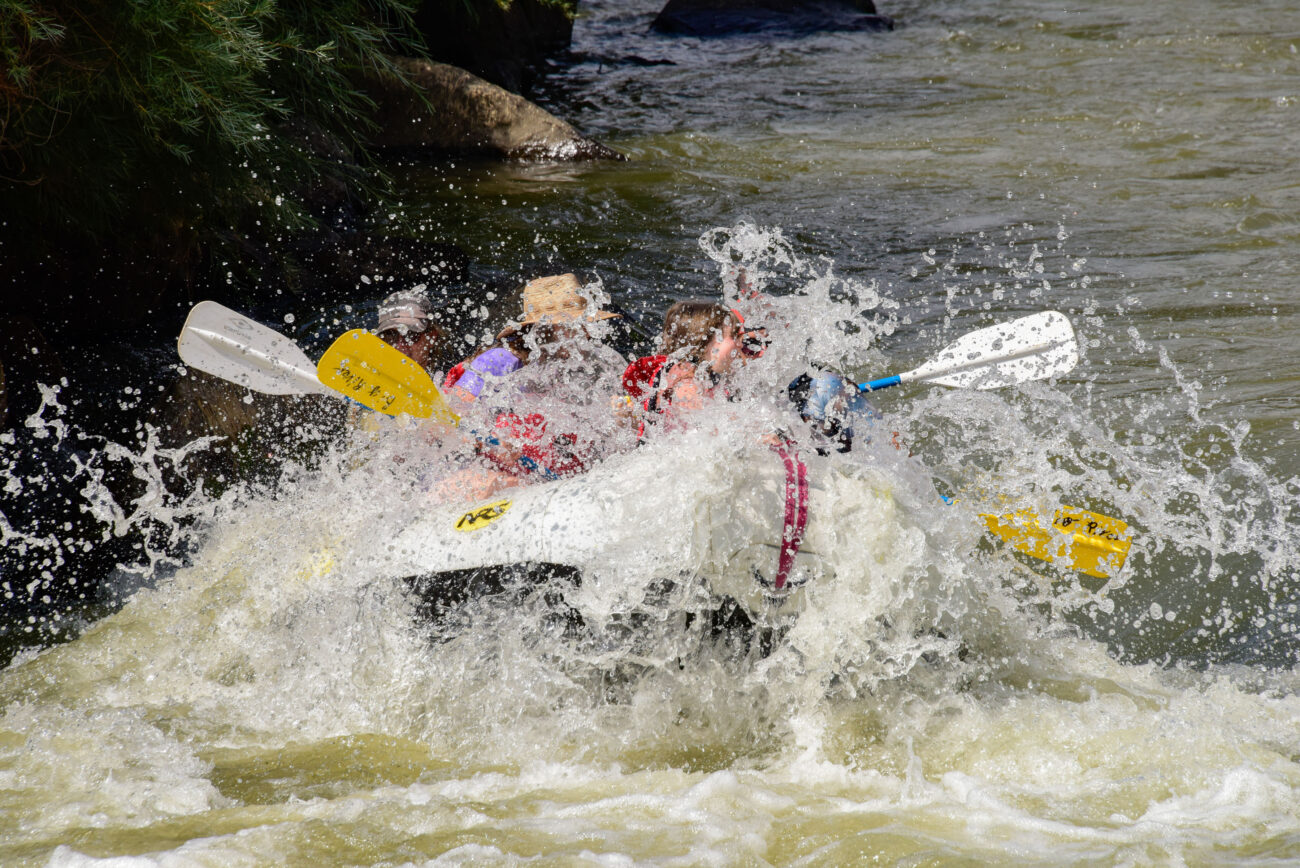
641,382
641,379
652,379
550,454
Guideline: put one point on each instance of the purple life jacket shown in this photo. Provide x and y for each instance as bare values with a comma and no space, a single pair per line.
496,362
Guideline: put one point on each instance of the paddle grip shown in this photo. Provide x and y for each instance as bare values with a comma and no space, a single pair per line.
882,383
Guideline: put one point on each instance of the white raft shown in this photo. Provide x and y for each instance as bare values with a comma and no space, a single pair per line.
684,506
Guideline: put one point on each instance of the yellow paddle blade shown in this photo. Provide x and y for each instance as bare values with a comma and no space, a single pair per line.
382,378
320,564
1087,541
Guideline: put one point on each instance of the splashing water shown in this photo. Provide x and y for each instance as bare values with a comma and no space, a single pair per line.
272,689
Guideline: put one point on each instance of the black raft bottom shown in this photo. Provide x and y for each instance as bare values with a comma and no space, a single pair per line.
446,602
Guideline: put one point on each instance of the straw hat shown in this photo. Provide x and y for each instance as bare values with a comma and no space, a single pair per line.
556,299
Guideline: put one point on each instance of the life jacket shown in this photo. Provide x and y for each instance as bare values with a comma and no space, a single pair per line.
467,379
541,450
651,380
641,379
642,383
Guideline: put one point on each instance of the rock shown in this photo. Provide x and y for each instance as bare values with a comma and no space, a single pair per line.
503,45
726,17
466,114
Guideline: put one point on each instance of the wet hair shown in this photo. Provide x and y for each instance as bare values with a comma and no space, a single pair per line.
690,325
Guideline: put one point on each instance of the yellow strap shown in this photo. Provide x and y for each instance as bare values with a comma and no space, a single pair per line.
370,372
1086,541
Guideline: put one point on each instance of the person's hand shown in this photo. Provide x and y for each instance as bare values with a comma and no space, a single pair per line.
744,284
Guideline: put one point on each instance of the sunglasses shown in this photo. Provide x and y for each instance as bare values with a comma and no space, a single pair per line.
753,343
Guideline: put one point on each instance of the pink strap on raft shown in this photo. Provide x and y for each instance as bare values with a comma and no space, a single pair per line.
796,511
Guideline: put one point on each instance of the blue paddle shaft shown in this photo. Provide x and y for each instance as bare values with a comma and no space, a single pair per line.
882,383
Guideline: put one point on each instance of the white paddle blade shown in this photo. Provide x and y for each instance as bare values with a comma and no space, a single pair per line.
226,344
1034,347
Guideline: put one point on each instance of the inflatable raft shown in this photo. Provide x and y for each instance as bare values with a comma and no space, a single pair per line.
756,525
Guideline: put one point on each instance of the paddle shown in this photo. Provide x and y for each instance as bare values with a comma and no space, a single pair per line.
221,342
1086,541
227,344
1033,347
371,372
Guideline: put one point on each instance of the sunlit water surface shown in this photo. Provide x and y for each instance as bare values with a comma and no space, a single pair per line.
276,698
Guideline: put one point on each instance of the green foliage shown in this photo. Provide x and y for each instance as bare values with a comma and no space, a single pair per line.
172,119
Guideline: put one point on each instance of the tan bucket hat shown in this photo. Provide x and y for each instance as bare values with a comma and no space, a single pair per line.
556,299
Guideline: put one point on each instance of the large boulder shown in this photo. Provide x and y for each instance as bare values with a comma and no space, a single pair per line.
505,43
465,114
725,17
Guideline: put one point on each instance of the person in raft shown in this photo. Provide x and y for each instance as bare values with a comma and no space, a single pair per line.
835,410
703,344
554,327
407,322
554,363
831,405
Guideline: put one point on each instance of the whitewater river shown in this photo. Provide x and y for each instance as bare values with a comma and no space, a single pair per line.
276,697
